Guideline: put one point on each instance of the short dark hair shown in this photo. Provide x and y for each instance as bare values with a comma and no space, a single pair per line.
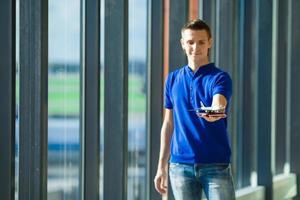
197,24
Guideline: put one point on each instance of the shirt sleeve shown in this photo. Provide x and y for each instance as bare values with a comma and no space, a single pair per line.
167,93
223,85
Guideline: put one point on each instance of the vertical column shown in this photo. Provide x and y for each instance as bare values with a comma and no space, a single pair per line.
281,86
226,35
226,49
166,38
178,16
246,137
91,142
155,91
33,99
238,103
116,99
206,11
193,9
210,14
294,88
263,75
7,99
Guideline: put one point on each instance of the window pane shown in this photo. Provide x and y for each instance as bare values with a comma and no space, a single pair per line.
137,99
64,100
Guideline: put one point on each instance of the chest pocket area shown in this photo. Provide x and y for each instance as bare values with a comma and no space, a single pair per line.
180,92
203,93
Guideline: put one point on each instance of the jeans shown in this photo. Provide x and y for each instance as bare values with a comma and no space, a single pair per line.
188,181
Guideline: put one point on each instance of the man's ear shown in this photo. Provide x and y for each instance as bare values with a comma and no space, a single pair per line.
210,41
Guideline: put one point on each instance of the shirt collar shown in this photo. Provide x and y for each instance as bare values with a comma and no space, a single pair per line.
202,69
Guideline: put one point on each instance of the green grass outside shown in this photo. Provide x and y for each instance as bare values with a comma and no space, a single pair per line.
64,94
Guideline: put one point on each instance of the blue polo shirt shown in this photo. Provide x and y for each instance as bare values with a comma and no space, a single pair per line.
194,139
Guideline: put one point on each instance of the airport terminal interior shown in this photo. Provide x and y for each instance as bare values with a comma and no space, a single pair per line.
82,85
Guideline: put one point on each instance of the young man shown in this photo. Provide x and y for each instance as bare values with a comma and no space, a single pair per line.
196,144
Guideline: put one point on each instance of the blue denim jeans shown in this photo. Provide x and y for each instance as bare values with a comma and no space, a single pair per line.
188,181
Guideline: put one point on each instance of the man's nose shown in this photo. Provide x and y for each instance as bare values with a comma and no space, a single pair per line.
195,46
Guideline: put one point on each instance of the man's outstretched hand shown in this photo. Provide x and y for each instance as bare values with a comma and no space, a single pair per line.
212,117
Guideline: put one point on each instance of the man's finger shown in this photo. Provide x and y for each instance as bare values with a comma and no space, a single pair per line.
159,185
163,186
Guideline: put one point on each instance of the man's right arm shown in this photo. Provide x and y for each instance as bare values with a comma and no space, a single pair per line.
165,139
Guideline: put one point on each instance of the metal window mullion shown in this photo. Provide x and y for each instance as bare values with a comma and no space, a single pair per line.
7,99
91,125
82,101
288,82
280,125
216,30
274,80
246,137
235,71
238,103
178,16
115,99
200,9
225,35
209,16
207,7
263,90
247,131
293,87
154,91
33,99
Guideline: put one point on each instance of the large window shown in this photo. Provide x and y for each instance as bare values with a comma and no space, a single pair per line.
262,124
64,100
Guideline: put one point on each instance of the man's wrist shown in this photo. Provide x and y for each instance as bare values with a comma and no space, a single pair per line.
162,166
161,172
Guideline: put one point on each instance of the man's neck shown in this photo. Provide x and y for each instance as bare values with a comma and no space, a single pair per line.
195,65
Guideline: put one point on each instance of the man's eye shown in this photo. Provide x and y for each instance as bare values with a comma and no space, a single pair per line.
190,42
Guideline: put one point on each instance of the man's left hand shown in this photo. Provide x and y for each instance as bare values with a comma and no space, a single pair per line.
212,117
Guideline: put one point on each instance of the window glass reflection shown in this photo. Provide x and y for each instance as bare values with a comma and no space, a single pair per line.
64,100
137,99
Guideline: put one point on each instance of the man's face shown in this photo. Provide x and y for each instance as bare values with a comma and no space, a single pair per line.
196,44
